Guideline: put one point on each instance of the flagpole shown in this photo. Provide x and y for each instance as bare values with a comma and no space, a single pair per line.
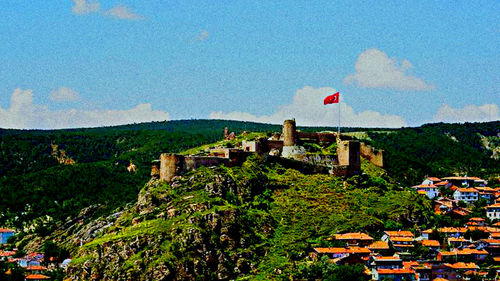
338,128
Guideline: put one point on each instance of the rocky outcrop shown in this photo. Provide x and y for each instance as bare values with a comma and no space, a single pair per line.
173,235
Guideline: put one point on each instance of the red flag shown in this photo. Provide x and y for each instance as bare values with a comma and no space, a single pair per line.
332,99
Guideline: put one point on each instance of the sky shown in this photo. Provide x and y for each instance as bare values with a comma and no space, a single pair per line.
83,63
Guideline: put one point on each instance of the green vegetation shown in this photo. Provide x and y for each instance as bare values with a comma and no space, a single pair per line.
438,150
257,221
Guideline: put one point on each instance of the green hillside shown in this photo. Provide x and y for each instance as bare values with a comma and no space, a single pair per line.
271,215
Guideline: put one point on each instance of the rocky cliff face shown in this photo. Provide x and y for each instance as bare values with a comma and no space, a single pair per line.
193,228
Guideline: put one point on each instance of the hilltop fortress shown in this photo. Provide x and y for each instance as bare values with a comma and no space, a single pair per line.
285,148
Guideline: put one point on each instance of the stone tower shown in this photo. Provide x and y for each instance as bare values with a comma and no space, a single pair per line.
170,166
289,132
348,154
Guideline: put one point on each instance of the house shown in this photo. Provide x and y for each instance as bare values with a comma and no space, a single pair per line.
476,222
458,243
452,231
431,180
433,245
466,181
493,211
487,193
379,247
426,233
340,252
399,274
355,239
475,254
386,262
468,195
5,234
456,269
390,234
430,190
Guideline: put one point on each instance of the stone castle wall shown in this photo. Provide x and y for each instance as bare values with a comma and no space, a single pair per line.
376,157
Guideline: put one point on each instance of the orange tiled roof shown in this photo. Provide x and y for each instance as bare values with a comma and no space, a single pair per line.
378,245
346,250
439,279
7,254
463,265
428,231
36,267
496,205
471,252
447,253
353,236
492,241
396,271
477,219
495,235
387,258
441,183
403,233
36,277
469,189
401,239
460,239
452,229
497,259
424,186
6,230
409,264
496,224
433,179
430,243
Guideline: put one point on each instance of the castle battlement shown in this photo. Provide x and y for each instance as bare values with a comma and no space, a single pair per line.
285,146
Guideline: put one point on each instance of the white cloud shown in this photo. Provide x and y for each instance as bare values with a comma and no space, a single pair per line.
374,69
202,36
122,12
308,109
469,113
83,7
24,114
64,94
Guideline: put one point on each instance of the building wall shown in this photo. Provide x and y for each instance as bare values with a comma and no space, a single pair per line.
376,157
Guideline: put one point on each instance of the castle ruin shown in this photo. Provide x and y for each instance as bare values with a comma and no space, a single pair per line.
285,148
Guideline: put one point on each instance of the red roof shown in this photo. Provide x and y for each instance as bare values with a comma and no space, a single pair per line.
441,183
463,265
470,189
403,233
346,250
36,267
396,271
387,258
353,236
430,243
6,230
378,245
36,277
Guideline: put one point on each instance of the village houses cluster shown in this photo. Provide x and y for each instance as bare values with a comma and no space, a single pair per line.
30,262
446,253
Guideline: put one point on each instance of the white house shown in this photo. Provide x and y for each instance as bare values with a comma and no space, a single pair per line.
430,190
493,211
468,195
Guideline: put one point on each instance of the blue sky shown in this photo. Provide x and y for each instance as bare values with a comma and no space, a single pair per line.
404,63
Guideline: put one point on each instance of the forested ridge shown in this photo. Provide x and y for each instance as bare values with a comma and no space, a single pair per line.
34,184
